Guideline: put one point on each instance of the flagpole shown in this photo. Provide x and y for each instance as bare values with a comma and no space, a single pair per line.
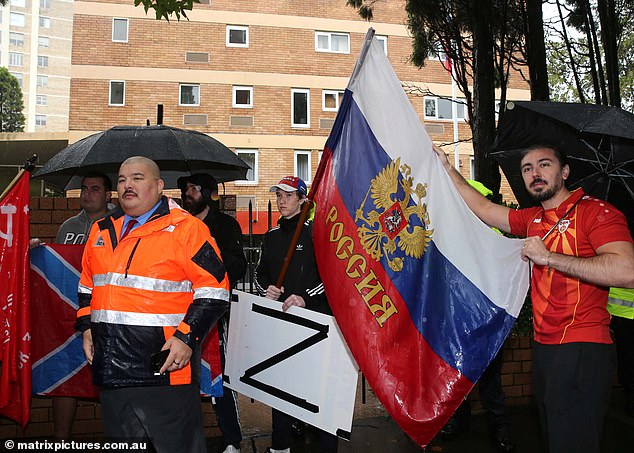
291,248
29,165
364,50
454,114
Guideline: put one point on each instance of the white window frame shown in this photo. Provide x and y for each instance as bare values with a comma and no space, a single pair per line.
329,35
110,93
244,28
336,94
436,117
180,94
254,181
383,39
17,20
299,91
42,81
18,3
19,77
127,28
16,42
45,22
41,99
234,102
16,59
297,153
43,41
42,61
40,120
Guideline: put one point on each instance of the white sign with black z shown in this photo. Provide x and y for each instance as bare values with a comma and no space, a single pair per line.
296,362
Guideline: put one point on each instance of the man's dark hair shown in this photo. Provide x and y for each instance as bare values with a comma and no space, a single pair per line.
107,184
559,154
207,183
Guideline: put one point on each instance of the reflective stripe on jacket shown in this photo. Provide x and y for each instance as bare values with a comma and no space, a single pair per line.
621,302
164,278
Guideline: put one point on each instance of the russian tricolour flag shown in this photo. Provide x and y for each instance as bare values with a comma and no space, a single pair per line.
424,293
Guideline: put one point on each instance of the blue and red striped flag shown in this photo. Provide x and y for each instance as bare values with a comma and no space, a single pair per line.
424,292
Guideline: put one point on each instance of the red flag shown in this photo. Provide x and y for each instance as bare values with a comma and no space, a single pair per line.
15,352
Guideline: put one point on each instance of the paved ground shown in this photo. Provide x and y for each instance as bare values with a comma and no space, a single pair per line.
375,432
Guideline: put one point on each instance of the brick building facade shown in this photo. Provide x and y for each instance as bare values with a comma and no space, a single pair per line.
263,77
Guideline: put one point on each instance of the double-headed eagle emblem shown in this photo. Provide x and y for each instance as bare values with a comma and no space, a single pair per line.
400,222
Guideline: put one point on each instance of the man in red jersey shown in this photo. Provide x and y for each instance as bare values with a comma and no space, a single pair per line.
578,246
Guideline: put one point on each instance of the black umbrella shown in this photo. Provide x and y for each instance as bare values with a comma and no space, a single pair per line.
599,142
178,152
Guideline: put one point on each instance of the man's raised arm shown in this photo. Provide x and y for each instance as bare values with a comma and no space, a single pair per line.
490,213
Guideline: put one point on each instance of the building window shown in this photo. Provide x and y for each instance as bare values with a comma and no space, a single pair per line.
42,81
18,77
45,4
119,30
440,108
41,99
16,20
16,59
237,36
331,100
42,61
18,3
117,92
471,167
16,39
189,94
332,42
302,165
250,157
42,41
383,42
242,97
300,111
45,22
40,120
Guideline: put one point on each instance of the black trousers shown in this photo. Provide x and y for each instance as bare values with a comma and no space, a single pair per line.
492,397
168,417
282,429
623,330
572,384
226,407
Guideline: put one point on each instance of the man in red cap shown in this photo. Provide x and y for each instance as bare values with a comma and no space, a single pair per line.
301,287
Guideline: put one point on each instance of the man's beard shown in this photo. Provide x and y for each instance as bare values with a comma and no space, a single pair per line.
194,207
547,193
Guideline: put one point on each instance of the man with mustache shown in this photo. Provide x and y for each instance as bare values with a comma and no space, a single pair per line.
152,280
199,193
578,246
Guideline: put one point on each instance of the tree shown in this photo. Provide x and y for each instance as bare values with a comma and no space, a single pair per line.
592,61
11,104
166,8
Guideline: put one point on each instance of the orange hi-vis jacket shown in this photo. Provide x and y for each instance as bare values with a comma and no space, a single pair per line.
164,278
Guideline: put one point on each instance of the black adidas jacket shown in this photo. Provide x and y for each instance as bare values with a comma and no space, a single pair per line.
302,277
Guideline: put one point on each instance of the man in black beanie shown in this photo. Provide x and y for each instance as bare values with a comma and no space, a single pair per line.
199,193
